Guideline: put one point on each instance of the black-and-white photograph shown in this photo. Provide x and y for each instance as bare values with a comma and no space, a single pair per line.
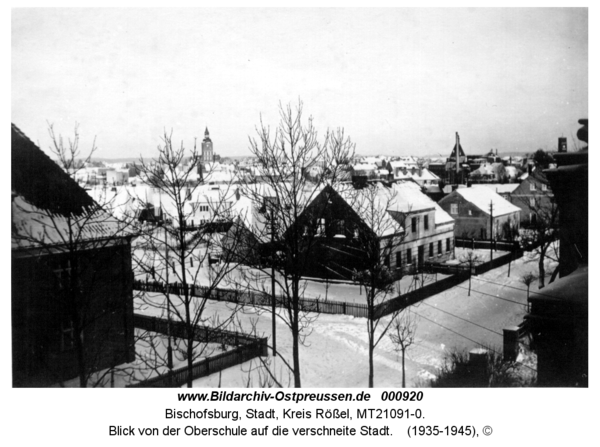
311,197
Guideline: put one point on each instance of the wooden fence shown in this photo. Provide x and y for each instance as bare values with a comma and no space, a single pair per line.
258,299
459,274
479,244
414,296
246,348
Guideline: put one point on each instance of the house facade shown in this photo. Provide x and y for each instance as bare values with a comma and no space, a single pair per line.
535,199
400,223
72,299
481,214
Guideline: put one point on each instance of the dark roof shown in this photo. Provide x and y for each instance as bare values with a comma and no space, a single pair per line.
461,153
41,182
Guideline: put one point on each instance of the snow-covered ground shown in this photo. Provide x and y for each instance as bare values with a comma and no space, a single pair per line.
335,353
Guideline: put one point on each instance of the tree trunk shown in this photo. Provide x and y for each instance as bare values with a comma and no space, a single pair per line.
190,343
296,343
371,366
296,355
542,269
403,370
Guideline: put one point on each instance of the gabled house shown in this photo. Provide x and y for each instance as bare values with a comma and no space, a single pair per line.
72,303
535,199
481,214
408,227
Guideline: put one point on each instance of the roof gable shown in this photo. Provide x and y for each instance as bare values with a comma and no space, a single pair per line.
41,182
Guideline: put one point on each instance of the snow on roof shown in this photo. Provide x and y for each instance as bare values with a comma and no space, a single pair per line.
398,164
365,167
48,207
33,227
410,198
372,204
499,188
481,198
425,174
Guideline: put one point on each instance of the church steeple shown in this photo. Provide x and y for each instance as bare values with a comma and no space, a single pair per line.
207,147
206,134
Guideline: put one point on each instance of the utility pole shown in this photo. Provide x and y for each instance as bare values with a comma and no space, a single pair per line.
491,230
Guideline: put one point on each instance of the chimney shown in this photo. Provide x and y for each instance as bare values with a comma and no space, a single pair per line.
562,144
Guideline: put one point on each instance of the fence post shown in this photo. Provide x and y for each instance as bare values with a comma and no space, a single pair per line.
344,307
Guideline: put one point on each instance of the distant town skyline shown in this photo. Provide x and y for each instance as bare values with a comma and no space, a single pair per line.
399,81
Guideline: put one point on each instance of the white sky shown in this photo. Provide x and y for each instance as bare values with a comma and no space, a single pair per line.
400,81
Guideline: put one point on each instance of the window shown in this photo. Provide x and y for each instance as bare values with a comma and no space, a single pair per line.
470,213
532,201
454,208
448,245
413,224
409,256
340,227
544,187
426,222
439,248
67,336
431,249
398,259
63,273
386,261
532,187
321,227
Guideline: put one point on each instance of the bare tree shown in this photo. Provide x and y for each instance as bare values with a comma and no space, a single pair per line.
180,248
402,336
470,260
528,279
379,231
293,167
87,250
541,235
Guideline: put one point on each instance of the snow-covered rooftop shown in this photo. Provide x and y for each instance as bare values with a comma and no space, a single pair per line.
499,188
482,197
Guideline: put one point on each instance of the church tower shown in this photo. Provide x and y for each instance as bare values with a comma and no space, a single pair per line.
207,148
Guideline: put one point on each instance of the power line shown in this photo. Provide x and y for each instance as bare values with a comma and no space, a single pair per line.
454,332
515,288
463,319
494,296
471,340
